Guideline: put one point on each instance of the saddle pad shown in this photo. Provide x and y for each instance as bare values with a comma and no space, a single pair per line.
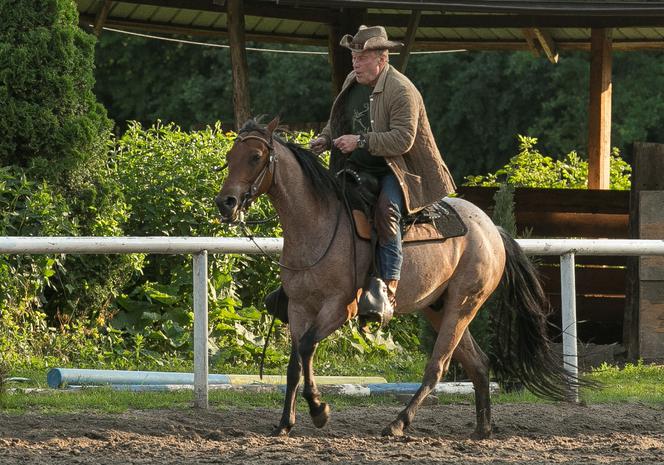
436,222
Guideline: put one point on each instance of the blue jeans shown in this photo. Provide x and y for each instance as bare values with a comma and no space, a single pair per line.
388,224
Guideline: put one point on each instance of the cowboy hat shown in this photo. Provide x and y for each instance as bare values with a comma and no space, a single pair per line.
368,38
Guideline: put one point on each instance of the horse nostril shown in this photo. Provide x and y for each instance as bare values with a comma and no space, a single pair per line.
230,202
226,204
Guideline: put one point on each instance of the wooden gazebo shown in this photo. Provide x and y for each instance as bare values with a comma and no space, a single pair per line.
546,28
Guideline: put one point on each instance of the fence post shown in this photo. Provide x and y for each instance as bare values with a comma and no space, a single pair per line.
200,330
568,297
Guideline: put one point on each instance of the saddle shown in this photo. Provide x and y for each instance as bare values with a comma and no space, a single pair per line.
436,222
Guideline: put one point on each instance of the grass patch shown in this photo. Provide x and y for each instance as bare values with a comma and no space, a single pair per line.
106,400
633,383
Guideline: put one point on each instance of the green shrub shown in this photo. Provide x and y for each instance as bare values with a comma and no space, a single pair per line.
53,136
49,116
530,168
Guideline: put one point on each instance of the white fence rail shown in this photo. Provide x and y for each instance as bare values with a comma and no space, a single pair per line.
199,247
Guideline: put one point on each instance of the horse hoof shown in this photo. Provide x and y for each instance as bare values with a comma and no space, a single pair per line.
320,419
480,434
280,432
393,430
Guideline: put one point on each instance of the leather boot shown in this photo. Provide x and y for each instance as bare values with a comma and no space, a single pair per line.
375,304
276,304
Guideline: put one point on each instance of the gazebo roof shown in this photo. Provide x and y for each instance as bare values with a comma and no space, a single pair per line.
443,24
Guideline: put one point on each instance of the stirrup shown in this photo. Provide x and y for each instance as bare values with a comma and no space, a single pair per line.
374,305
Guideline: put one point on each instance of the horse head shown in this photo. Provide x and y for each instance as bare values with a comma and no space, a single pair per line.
251,162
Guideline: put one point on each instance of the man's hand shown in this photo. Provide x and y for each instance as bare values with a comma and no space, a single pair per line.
346,143
319,144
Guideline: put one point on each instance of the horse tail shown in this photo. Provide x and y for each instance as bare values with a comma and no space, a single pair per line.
521,348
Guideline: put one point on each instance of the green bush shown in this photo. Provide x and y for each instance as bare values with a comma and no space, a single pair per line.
169,179
55,180
530,168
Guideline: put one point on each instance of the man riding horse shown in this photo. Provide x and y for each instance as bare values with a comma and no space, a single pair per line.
378,125
448,280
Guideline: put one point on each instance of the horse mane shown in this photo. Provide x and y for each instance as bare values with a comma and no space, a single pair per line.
324,183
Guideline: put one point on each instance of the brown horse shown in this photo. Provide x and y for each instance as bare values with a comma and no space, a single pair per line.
323,262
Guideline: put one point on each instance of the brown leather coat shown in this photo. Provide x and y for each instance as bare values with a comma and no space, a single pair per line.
400,132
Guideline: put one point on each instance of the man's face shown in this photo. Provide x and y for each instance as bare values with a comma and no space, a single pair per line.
367,66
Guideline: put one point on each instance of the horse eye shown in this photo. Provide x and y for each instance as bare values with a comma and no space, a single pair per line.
255,158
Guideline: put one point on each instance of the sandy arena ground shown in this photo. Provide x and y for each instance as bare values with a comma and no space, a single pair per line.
533,434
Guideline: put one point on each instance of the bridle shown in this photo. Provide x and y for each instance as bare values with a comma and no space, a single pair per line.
254,190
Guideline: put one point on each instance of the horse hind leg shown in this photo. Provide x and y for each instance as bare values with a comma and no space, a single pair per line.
455,317
476,365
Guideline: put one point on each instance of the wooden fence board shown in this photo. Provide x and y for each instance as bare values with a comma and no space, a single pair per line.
589,280
579,213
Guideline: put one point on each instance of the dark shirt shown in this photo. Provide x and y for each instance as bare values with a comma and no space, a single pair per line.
357,113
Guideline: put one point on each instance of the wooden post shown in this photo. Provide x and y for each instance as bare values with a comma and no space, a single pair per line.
599,113
347,22
100,19
409,39
337,57
241,99
643,331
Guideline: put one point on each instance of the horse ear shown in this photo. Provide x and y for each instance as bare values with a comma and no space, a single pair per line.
272,125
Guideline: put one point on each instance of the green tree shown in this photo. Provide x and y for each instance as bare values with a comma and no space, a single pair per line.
191,85
53,136
49,116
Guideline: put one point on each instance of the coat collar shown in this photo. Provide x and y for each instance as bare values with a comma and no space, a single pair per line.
380,84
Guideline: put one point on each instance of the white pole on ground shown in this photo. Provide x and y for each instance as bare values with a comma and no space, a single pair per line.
200,330
568,297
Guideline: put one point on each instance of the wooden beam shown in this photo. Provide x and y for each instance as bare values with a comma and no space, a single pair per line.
599,113
516,21
647,168
409,39
322,41
320,15
531,40
336,57
241,99
100,19
547,43
167,28
521,7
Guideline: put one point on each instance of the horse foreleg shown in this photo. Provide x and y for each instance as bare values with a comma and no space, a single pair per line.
476,364
292,380
329,319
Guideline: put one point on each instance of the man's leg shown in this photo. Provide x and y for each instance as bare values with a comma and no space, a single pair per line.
388,225
378,300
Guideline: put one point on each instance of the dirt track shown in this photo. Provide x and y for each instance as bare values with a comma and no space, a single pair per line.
535,434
